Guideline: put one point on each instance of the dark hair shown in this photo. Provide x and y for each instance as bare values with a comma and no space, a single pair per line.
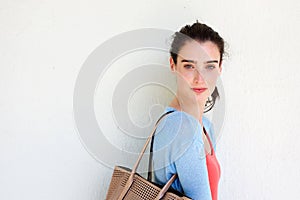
202,33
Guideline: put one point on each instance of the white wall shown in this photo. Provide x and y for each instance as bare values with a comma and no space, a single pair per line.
44,44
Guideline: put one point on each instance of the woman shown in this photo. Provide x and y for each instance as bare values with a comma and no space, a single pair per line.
184,141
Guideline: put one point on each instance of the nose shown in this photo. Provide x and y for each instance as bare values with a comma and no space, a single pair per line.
198,77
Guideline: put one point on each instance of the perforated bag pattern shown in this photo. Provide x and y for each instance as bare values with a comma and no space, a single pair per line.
126,184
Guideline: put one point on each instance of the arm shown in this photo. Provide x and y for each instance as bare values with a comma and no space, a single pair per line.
179,141
192,171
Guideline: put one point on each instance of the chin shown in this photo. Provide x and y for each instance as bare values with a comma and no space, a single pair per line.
202,99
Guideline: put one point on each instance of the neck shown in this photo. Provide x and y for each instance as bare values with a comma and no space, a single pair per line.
192,109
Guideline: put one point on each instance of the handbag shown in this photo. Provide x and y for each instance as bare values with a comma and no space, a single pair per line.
127,184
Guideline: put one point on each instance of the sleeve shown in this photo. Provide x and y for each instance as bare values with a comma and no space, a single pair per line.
192,171
179,143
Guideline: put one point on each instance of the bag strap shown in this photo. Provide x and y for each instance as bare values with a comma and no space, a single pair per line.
149,178
130,179
166,187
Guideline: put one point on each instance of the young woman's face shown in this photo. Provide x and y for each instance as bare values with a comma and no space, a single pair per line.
198,68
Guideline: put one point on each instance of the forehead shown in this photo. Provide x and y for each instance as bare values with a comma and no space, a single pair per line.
199,51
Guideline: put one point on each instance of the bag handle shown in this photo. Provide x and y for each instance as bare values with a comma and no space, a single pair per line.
149,178
166,187
130,179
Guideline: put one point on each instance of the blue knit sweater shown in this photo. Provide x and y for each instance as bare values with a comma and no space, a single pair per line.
178,148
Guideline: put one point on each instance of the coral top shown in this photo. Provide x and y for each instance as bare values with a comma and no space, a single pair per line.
213,168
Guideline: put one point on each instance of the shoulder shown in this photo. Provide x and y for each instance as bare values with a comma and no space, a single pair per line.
177,129
178,122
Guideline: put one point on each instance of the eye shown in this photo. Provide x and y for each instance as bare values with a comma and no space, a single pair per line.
211,67
189,66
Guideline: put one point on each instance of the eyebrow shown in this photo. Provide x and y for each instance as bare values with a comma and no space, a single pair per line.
212,61
192,61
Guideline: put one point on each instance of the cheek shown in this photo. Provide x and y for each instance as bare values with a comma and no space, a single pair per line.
184,79
211,83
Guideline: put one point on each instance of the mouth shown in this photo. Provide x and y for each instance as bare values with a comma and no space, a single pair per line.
199,90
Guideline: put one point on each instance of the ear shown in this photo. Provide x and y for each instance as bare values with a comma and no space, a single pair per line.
172,64
220,66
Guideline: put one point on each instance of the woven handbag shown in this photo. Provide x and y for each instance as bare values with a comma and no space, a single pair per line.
127,184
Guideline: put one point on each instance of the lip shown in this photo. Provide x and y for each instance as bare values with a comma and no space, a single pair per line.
199,90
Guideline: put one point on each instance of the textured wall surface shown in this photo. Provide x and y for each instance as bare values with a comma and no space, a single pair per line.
44,44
